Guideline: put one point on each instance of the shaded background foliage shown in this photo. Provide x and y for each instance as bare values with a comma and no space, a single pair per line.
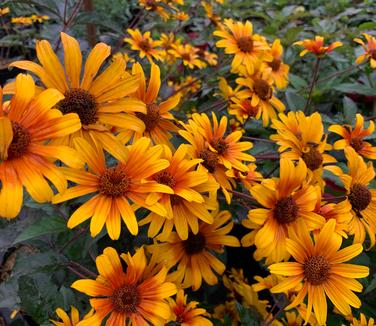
38,253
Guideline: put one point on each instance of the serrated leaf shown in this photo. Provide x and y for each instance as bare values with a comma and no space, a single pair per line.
44,226
355,88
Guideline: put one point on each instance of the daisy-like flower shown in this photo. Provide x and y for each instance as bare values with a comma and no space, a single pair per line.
239,40
158,120
186,313
321,268
301,136
229,150
194,194
214,18
144,44
286,200
137,295
259,82
99,100
114,186
228,93
316,46
355,137
361,198
188,54
167,42
155,6
210,58
4,11
362,321
71,320
369,48
248,178
27,124
243,109
193,257
279,70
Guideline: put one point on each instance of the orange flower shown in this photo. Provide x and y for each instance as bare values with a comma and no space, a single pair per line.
354,137
316,46
370,50
279,70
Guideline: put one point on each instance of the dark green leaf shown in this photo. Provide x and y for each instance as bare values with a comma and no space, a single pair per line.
44,226
355,88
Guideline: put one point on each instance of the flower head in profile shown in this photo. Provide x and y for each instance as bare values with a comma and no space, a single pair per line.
279,70
316,46
27,124
362,321
137,294
72,320
354,137
238,39
188,54
321,266
193,196
99,99
286,201
155,6
158,120
194,257
187,313
144,44
115,187
369,50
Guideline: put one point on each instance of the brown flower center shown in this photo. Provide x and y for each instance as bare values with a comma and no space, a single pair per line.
286,210
126,299
275,64
356,143
263,89
80,101
316,270
165,178
210,159
220,146
145,45
194,244
245,44
20,141
175,200
114,182
359,197
313,159
373,53
151,118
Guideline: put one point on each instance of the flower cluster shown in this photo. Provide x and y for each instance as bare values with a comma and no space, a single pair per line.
103,133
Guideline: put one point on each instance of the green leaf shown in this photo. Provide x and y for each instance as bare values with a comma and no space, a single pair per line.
371,286
355,88
44,226
367,26
349,109
295,101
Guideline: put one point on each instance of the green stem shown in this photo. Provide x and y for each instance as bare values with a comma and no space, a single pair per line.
314,79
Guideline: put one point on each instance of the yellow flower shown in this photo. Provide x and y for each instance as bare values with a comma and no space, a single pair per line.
27,124
248,48
188,54
321,268
22,20
181,15
188,202
354,137
158,120
145,44
139,294
301,136
39,18
187,314
153,5
210,58
114,186
286,200
4,11
316,46
362,321
370,50
74,318
194,256
99,100
208,7
187,85
259,82
362,199
279,70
